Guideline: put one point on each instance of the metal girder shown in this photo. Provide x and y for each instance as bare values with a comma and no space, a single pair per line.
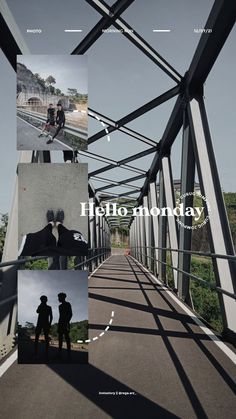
155,222
128,131
113,185
172,129
169,94
11,40
170,203
147,227
113,164
107,20
124,162
137,40
221,20
218,226
122,182
185,234
162,232
199,69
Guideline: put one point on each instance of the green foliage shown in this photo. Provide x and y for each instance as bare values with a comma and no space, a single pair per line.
3,229
41,264
205,300
50,80
78,331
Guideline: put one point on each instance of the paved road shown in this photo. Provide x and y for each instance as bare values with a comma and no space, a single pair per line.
27,138
152,349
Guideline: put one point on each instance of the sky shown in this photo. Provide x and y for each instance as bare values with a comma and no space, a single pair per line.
68,71
33,284
121,78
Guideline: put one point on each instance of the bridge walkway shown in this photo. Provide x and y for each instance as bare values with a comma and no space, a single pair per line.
153,350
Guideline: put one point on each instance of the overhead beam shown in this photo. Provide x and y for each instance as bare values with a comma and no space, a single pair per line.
221,20
137,113
105,22
11,40
204,58
130,132
137,40
124,162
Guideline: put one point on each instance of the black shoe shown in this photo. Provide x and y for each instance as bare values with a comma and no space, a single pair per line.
49,141
50,216
40,135
60,216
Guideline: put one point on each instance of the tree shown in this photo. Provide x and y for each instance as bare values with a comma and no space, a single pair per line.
40,80
3,229
72,92
50,80
58,92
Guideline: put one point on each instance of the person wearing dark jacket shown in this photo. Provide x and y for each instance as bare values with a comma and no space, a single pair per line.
50,122
60,121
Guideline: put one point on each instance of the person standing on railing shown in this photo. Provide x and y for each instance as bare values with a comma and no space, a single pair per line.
44,323
50,120
60,121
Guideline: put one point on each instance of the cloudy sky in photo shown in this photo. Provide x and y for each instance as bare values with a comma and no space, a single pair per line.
33,284
68,71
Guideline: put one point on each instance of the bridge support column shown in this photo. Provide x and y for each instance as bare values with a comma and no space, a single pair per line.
147,222
162,232
170,202
185,234
92,236
219,230
143,240
155,224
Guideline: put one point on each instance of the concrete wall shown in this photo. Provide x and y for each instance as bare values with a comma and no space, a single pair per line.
51,186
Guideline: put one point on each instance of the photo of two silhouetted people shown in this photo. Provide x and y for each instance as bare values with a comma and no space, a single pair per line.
44,322
51,329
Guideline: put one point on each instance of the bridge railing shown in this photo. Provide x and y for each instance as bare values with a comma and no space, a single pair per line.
97,255
210,285
83,134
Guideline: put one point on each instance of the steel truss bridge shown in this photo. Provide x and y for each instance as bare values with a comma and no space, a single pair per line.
158,339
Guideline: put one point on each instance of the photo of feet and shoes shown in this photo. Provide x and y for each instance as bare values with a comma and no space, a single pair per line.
50,195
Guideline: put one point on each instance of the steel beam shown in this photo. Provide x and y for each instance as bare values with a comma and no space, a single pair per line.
11,40
221,20
110,15
137,113
162,233
137,40
219,230
185,234
123,162
128,131
170,203
147,227
155,223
